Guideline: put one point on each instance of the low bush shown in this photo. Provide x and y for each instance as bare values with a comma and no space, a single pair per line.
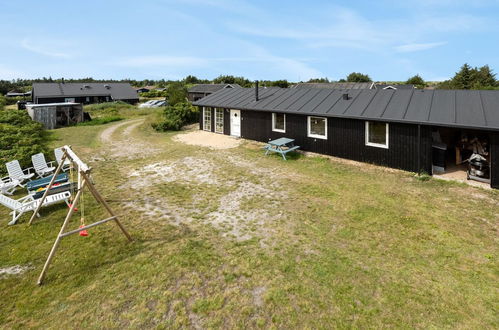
104,113
175,117
153,94
100,121
423,176
13,100
20,138
108,108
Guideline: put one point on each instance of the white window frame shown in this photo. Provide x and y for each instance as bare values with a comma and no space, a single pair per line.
273,123
316,136
378,145
204,119
216,111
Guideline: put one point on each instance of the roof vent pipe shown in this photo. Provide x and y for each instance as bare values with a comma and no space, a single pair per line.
256,90
345,96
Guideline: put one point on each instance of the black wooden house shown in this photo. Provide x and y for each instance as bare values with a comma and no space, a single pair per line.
401,128
84,93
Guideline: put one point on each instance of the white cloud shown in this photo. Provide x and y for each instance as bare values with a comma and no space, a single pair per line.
344,28
48,49
408,48
339,27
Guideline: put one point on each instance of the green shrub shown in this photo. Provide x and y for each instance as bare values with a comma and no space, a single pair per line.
20,138
177,116
13,100
176,93
108,108
154,93
100,121
423,176
103,113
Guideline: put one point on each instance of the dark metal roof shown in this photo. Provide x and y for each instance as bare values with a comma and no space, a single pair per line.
455,108
336,85
394,86
211,88
118,91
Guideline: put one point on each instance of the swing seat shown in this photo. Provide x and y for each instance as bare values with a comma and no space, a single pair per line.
83,232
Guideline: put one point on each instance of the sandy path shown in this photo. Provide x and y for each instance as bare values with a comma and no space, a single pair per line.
125,145
106,135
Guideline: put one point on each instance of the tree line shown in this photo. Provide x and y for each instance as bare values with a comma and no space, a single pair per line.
467,77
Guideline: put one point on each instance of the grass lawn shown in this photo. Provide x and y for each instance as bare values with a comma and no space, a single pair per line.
230,238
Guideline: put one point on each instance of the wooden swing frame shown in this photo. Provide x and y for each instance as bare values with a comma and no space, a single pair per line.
83,181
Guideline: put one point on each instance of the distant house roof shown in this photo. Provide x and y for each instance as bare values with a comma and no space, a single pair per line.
454,108
17,93
394,86
210,88
117,91
336,85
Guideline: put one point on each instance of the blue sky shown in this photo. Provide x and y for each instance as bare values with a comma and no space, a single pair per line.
294,40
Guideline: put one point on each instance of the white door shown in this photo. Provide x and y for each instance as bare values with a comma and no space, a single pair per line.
235,122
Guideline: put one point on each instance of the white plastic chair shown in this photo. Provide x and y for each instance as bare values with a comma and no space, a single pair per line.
8,186
16,173
27,204
41,167
58,152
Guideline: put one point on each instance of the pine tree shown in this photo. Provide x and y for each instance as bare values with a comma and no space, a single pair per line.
464,78
484,78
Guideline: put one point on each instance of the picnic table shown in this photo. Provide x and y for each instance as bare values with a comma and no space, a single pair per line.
281,146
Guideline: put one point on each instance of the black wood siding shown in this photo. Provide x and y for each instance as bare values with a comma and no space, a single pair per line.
346,139
494,160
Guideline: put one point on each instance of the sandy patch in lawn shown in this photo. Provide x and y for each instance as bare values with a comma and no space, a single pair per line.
231,217
257,294
244,224
14,270
153,208
208,139
188,169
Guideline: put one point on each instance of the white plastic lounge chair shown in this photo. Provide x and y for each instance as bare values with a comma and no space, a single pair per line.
16,173
27,204
58,152
8,186
41,167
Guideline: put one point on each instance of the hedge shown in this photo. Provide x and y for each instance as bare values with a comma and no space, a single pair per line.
20,138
